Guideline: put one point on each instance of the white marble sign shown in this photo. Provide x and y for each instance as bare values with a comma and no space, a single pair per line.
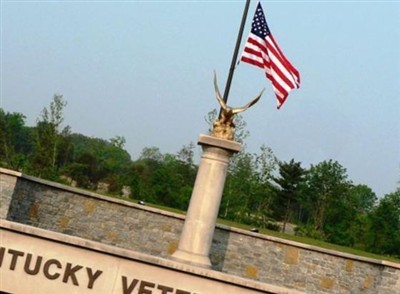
39,264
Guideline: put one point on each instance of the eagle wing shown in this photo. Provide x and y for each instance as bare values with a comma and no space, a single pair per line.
251,103
218,94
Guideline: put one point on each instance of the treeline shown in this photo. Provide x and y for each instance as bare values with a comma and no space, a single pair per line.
260,190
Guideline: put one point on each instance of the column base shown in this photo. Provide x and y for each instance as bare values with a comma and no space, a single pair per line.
191,258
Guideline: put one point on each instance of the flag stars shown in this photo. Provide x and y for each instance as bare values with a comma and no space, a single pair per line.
259,26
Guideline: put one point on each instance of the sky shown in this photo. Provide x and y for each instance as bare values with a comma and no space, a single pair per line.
143,70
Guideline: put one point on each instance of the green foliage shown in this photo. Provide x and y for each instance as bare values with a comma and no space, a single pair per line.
272,226
163,179
48,138
326,186
186,154
15,140
384,230
308,231
118,141
259,190
287,200
248,192
108,155
361,202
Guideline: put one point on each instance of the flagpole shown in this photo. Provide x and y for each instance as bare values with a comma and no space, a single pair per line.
235,53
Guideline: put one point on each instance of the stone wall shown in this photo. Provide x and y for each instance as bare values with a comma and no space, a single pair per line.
8,180
143,229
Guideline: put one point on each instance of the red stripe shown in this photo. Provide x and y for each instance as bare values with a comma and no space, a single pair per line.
262,46
282,60
265,50
258,53
253,52
281,101
267,64
271,64
251,61
279,87
285,62
283,77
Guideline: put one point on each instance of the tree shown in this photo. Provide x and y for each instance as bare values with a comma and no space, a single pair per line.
210,118
265,166
361,203
238,188
118,141
167,181
14,140
327,187
54,119
187,171
65,148
248,192
363,199
290,182
384,230
186,154
152,153
164,179
266,163
48,137
90,171
94,160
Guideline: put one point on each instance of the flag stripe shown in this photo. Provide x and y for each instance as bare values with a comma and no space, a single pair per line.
283,63
278,63
262,50
252,61
291,68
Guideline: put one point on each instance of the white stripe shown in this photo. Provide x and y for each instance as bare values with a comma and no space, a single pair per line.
261,43
252,57
273,59
276,91
253,47
257,49
282,83
285,71
258,39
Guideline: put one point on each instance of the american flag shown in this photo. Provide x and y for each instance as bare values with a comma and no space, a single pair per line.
262,50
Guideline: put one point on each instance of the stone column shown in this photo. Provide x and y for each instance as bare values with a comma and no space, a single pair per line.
198,230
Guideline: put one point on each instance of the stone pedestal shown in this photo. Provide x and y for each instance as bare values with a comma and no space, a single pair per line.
198,230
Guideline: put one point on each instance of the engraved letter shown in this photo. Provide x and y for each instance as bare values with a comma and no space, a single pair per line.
47,266
165,289
92,278
178,291
15,254
70,272
28,263
143,285
2,250
128,290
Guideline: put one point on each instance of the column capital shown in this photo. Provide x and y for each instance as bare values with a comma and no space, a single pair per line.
211,141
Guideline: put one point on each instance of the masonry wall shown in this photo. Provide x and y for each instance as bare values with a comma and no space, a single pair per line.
143,229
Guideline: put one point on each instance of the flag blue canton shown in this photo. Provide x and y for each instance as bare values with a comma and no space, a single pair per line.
259,25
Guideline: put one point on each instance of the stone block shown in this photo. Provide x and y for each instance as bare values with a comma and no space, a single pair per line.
291,255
